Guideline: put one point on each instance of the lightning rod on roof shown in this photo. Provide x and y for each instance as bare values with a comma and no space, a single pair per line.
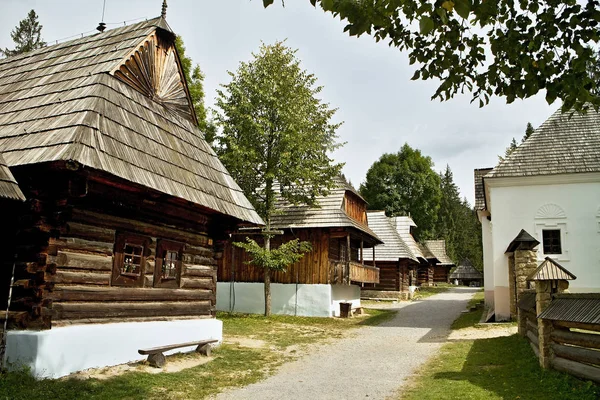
102,26
163,12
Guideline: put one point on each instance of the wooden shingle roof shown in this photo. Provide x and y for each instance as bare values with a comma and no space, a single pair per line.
466,270
65,103
393,246
550,270
438,249
403,225
328,213
479,189
582,308
9,188
563,144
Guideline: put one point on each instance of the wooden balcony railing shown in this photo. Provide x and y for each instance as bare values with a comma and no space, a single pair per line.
343,272
363,273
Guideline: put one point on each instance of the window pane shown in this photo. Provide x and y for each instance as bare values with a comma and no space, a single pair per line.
551,239
169,265
132,259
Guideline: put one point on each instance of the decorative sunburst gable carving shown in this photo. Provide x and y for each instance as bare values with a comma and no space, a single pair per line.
153,70
550,211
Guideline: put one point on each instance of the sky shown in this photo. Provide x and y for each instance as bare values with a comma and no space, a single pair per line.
368,82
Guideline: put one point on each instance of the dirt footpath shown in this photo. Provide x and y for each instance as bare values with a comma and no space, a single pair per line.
374,363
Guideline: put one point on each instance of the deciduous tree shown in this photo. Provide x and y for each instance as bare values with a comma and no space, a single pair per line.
405,183
276,134
27,36
492,48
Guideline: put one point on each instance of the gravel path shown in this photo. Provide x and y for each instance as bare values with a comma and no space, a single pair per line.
372,364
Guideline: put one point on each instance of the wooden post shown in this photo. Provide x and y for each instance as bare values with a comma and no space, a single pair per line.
374,264
543,298
362,258
349,257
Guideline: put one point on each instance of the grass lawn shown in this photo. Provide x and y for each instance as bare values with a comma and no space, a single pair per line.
233,365
495,368
426,291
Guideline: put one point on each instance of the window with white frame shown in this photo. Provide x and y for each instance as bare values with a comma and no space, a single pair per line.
551,230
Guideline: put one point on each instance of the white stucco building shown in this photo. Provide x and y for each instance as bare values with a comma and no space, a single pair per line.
550,187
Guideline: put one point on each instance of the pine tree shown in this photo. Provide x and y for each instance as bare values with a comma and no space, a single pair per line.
528,131
195,81
27,36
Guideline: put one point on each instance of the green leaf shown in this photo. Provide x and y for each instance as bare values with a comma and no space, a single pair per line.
463,8
426,25
327,5
267,3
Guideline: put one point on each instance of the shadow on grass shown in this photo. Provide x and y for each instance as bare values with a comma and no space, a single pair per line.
232,366
506,367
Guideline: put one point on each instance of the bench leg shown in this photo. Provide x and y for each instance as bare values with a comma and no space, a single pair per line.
204,349
156,360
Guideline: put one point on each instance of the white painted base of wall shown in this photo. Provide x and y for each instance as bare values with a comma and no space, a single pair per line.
286,299
60,351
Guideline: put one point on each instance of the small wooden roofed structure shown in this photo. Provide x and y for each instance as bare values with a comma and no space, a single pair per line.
393,258
581,308
442,268
523,241
125,198
550,270
338,231
466,273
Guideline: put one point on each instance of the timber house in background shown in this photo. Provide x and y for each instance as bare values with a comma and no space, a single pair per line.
466,274
394,258
441,269
332,272
114,244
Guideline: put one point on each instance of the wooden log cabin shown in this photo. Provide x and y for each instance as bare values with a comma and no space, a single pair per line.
394,258
423,273
331,273
441,269
114,246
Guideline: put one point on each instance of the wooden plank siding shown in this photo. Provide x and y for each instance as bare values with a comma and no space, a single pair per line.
355,208
313,268
327,263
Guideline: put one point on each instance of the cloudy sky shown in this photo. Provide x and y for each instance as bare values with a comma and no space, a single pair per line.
369,82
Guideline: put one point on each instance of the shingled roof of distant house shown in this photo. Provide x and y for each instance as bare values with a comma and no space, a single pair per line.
393,246
479,189
403,225
9,188
466,270
438,248
427,254
328,213
86,101
563,144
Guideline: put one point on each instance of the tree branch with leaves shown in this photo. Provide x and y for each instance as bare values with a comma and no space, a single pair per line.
498,48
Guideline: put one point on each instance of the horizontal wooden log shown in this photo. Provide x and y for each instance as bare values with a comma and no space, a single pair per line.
195,259
198,250
535,349
80,321
124,310
88,232
197,283
579,354
577,325
577,369
533,327
79,277
576,338
113,293
533,338
95,262
198,270
80,245
111,221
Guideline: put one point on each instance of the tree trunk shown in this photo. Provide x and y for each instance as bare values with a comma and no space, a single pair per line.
267,292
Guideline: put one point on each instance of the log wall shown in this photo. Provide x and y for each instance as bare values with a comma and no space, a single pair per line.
65,242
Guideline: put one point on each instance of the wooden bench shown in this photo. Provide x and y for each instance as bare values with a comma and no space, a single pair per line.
156,358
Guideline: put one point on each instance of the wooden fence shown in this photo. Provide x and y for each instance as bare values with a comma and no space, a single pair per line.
565,332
